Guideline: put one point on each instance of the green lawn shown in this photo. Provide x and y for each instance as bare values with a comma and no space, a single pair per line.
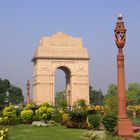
28,132
136,121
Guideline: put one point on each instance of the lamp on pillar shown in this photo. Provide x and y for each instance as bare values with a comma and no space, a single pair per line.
28,91
124,125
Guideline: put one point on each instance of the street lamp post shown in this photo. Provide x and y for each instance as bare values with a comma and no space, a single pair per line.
124,125
28,92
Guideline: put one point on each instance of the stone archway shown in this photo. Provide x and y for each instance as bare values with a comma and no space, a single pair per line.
67,72
60,51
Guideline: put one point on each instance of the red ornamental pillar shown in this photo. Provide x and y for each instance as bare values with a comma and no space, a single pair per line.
28,92
124,125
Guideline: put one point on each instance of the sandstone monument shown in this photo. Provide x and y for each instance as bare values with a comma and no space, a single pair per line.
60,51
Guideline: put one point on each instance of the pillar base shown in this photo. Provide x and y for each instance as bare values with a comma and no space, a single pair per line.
125,128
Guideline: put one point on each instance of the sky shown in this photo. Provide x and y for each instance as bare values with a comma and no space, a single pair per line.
24,22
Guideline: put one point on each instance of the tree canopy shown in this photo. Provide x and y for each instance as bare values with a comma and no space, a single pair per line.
9,93
110,99
96,96
133,94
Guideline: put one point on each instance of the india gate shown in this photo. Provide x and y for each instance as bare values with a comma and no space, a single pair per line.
60,51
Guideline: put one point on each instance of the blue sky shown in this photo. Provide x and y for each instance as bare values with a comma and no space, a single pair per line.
24,22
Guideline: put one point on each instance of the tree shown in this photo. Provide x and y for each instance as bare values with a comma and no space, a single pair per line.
4,87
110,99
96,97
60,100
15,95
112,90
9,93
133,94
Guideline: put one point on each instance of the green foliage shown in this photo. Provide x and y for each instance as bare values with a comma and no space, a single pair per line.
27,116
57,117
133,94
44,105
15,95
96,96
112,90
9,93
137,136
30,106
4,87
110,121
16,120
9,112
100,135
60,100
110,99
94,121
110,103
81,103
60,96
44,113
46,117
77,119
3,134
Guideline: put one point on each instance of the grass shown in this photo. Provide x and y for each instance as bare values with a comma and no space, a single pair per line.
136,121
28,132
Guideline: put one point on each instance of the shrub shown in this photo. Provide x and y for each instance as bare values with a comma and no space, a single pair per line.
94,121
65,117
110,121
77,119
16,120
137,136
100,135
3,134
9,112
46,117
52,123
57,117
50,110
44,105
27,116
90,112
44,113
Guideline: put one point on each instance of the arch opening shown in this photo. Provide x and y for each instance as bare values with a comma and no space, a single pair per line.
62,86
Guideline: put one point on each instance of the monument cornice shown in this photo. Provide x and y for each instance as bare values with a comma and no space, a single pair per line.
61,58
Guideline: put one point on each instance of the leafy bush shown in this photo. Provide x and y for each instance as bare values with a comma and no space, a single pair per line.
9,112
94,121
137,136
46,117
110,121
57,117
27,116
52,123
44,113
30,107
77,120
16,120
100,135
90,112
3,134
44,105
